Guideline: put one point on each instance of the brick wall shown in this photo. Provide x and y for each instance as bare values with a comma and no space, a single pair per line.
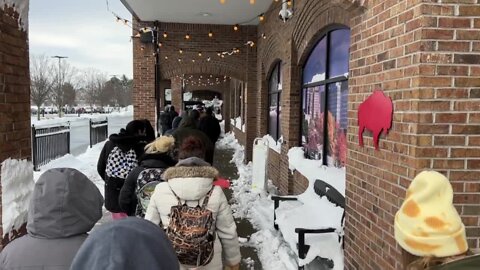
421,54
14,89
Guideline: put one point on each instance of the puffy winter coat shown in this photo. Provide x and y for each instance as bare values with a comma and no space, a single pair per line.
125,142
127,244
191,179
128,193
65,205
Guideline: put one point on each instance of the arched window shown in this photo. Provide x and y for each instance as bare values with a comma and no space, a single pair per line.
325,96
274,98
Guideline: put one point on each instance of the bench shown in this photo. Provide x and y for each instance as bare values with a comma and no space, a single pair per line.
335,199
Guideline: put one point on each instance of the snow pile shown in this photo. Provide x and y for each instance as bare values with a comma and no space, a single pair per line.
277,251
274,145
17,186
273,251
85,163
21,7
54,119
314,169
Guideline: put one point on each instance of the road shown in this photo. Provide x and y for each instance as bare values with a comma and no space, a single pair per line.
80,137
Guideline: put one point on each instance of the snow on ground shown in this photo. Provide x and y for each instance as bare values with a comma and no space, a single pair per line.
52,119
274,249
17,186
274,145
85,163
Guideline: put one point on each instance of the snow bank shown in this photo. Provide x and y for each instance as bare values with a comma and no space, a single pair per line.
85,163
313,169
277,251
273,251
17,186
21,7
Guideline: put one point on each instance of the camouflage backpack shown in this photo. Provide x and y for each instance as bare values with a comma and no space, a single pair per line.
191,231
147,180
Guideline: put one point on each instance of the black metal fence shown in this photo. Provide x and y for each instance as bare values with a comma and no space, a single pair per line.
98,131
49,143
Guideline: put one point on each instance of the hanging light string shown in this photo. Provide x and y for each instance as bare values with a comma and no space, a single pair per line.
210,81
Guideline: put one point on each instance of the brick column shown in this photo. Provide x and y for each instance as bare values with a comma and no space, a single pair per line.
177,95
15,132
250,100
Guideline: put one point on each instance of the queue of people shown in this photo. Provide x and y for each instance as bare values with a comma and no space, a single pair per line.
167,212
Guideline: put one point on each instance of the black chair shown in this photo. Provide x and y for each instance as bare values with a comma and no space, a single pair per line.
334,196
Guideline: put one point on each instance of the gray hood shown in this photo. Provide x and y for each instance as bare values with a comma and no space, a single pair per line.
64,203
127,244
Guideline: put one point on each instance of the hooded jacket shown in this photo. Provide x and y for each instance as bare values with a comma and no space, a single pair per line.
128,196
210,126
127,244
188,128
191,179
125,142
65,205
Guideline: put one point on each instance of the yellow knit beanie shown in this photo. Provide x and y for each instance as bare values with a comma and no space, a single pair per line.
428,224
160,145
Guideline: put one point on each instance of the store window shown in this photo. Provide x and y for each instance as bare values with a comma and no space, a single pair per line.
325,96
274,105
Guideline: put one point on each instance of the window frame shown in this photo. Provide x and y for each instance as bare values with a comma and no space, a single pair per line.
278,67
326,33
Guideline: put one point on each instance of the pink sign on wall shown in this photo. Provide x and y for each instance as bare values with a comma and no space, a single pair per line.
375,114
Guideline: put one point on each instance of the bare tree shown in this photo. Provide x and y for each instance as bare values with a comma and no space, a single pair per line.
69,94
93,82
65,74
42,80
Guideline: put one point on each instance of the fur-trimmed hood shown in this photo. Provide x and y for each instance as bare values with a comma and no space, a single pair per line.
191,179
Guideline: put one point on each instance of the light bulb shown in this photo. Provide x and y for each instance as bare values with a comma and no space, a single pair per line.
261,18
165,35
210,34
200,54
187,36
180,51
235,27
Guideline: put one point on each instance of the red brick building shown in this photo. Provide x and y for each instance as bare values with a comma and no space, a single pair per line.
14,83
329,57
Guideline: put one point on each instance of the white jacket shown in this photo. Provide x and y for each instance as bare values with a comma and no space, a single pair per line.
191,184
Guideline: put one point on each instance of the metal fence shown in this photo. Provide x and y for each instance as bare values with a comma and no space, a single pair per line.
98,131
49,143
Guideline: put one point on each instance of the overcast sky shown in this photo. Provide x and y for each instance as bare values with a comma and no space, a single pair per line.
84,31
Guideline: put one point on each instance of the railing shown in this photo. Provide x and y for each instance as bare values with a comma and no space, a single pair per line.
98,131
49,143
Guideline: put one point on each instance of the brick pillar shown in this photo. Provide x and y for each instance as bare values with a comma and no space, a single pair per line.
226,105
177,95
250,100
15,132
143,79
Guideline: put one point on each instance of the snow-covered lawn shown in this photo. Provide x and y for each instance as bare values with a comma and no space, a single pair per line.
274,249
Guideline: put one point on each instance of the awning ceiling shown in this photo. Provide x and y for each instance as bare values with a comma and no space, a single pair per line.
198,11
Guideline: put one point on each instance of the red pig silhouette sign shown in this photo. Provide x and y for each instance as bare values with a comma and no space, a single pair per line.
375,114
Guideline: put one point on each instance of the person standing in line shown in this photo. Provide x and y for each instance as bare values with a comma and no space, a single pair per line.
190,183
118,157
209,125
427,225
141,181
128,244
65,205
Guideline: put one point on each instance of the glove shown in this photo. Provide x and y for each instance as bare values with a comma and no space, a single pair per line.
235,267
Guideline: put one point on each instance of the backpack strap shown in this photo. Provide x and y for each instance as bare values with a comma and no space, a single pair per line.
176,196
207,197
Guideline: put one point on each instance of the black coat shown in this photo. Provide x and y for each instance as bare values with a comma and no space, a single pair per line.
113,185
128,196
210,126
188,128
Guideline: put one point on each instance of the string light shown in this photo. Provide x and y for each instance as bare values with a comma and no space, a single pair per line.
165,35
210,34
264,36
252,2
289,2
180,51
166,57
222,1
261,17
235,27
187,36
208,59
200,54
160,44
179,60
